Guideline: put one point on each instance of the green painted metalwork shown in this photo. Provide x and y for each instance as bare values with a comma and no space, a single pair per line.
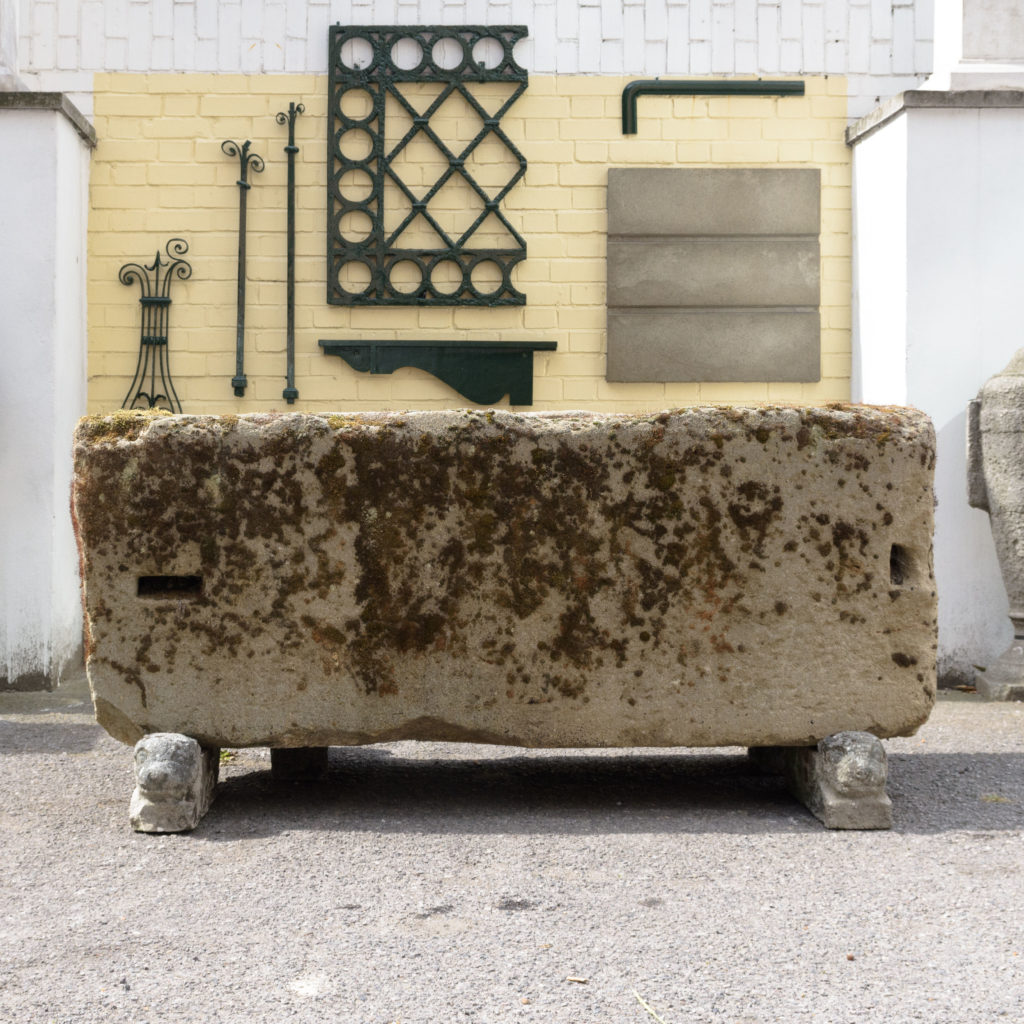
246,160
392,56
290,392
152,387
482,371
698,87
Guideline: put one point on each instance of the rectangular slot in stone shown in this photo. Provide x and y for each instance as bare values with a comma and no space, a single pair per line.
181,588
706,577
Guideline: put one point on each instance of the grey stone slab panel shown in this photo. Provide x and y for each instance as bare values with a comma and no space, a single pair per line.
714,201
714,272
704,577
713,345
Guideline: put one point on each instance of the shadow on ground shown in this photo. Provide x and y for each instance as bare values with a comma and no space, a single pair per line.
370,789
48,737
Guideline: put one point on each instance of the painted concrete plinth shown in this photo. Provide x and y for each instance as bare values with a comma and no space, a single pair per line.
756,577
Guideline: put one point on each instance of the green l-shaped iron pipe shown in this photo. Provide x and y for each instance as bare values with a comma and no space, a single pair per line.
698,87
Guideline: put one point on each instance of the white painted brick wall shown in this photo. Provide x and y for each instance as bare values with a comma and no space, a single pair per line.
768,38
883,45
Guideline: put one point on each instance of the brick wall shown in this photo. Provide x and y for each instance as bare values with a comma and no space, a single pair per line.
158,171
882,46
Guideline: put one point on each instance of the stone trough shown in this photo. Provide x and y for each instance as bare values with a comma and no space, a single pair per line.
707,577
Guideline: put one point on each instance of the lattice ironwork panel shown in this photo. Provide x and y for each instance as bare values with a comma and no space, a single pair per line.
415,218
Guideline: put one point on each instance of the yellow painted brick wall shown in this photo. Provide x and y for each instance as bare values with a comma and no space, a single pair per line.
158,172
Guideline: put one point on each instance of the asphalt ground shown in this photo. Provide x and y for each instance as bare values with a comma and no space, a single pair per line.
426,882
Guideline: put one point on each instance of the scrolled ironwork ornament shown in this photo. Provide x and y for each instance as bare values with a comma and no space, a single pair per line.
247,161
153,366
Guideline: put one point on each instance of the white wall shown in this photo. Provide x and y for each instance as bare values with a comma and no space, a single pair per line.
879,368
964,266
9,36
42,391
885,46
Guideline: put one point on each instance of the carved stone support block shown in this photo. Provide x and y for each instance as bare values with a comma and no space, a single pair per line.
841,781
175,781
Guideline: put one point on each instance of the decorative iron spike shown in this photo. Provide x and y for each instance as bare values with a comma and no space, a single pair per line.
246,160
290,392
155,301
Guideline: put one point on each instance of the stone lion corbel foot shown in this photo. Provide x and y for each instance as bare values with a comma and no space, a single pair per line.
841,781
175,780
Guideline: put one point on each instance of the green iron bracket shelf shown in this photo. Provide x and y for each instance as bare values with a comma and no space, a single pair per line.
482,371
698,87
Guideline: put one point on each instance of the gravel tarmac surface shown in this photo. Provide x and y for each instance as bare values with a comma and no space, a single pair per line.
429,883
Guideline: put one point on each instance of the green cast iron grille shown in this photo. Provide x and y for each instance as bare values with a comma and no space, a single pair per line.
380,76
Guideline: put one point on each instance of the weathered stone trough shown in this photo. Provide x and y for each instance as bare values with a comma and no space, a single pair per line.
708,577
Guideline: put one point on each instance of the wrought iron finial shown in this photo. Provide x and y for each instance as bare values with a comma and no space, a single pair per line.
246,160
154,281
290,392
288,118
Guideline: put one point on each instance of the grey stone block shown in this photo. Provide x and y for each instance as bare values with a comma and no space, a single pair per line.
841,781
1004,678
175,780
995,470
977,492
733,345
706,577
713,272
714,201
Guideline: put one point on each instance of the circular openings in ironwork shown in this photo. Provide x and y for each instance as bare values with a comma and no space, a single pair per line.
354,277
486,278
406,53
355,106
405,277
355,185
522,53
355,145
355,226
356,53
488,53
446,277
448,54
